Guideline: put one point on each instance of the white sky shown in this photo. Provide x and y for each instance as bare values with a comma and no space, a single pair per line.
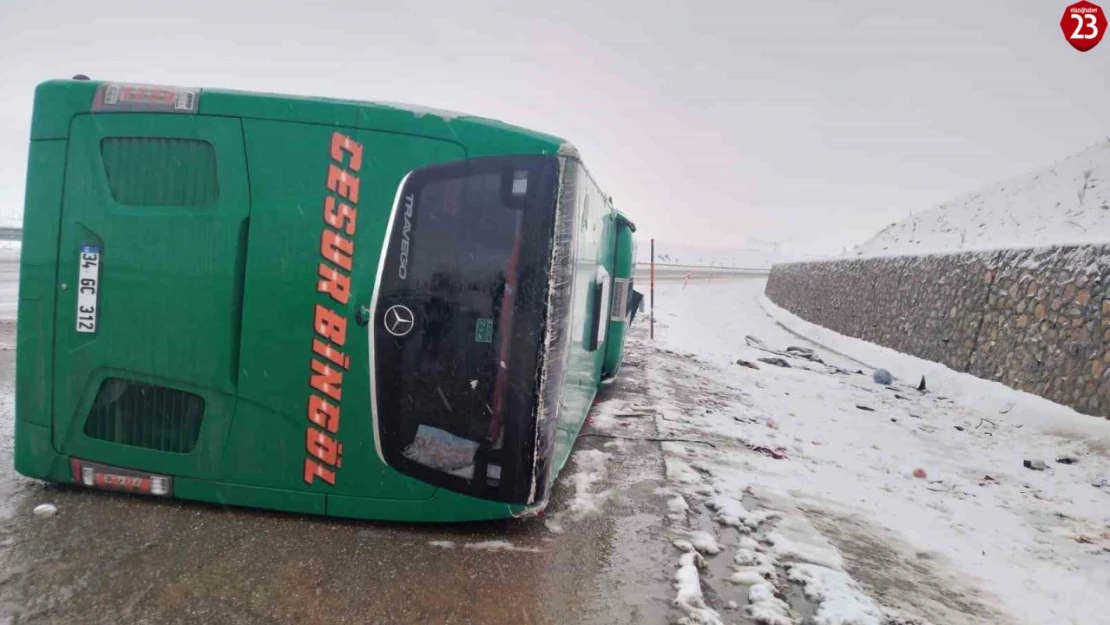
813,123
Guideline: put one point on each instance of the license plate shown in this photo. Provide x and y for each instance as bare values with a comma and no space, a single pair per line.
113,478
88,288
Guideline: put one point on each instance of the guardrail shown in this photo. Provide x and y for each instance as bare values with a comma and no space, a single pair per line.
717,268
11,234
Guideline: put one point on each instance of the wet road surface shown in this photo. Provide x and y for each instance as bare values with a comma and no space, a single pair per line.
114,558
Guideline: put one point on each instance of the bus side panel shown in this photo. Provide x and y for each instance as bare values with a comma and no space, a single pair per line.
445,506
584,364
34,370
321,198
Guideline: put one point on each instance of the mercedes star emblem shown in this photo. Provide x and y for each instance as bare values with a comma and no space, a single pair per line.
398,320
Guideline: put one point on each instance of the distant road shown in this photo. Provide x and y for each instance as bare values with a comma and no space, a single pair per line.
664,273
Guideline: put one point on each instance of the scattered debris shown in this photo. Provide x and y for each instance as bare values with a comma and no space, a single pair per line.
748,364
982,421
919,473
633,415
771,423
882,376
1036,465
1067,460
865,408
921,387
650,439
46,510
778,362
960,428
915,416
777,454
897,396
893,420
1006,409
804,352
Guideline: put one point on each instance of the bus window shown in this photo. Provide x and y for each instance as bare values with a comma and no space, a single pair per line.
459,321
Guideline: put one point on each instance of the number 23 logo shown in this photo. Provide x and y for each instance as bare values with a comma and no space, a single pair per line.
1083,25
1091,25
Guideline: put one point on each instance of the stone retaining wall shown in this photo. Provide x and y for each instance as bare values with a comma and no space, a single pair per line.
1037,320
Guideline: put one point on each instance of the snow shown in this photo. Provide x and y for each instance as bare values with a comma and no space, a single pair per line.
840,599
9,279
981,539
591,471
45,510
499,545
752,255
704,542
588,502
766,608
1065,203
445,544
689,599
733,513
421,111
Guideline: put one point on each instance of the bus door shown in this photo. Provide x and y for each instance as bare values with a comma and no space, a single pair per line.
623,307
149,290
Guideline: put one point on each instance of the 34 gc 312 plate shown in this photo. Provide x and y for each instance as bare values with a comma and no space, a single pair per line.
88,288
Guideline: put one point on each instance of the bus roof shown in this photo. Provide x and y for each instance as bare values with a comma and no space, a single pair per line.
57,101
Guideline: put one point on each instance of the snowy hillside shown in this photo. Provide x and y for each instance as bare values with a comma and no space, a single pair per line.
1066,203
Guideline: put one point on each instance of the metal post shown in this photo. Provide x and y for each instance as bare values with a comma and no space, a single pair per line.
651,313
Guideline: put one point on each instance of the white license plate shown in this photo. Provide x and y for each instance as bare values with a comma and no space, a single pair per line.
88,288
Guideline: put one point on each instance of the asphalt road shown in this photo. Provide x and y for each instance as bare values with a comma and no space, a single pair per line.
113,558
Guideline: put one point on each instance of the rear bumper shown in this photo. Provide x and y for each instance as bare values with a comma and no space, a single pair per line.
35,458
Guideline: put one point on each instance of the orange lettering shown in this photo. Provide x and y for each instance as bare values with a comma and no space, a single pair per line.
313,470
323,413
343,183
326,380
341,143
327,351
337,248
341,218
324,447
335,284
330,325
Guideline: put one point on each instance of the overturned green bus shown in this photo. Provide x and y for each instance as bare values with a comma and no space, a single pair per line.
306,304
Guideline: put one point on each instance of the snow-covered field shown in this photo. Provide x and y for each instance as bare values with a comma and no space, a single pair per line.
1065,203
812,494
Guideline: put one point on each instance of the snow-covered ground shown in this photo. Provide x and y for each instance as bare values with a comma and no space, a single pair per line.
812,494
1065,203
9,279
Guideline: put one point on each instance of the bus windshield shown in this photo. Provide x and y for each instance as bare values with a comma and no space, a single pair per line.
459,323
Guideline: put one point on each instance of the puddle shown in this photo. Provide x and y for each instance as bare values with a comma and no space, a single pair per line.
796,597
715,587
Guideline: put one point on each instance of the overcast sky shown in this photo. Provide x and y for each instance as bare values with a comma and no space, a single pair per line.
813,123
